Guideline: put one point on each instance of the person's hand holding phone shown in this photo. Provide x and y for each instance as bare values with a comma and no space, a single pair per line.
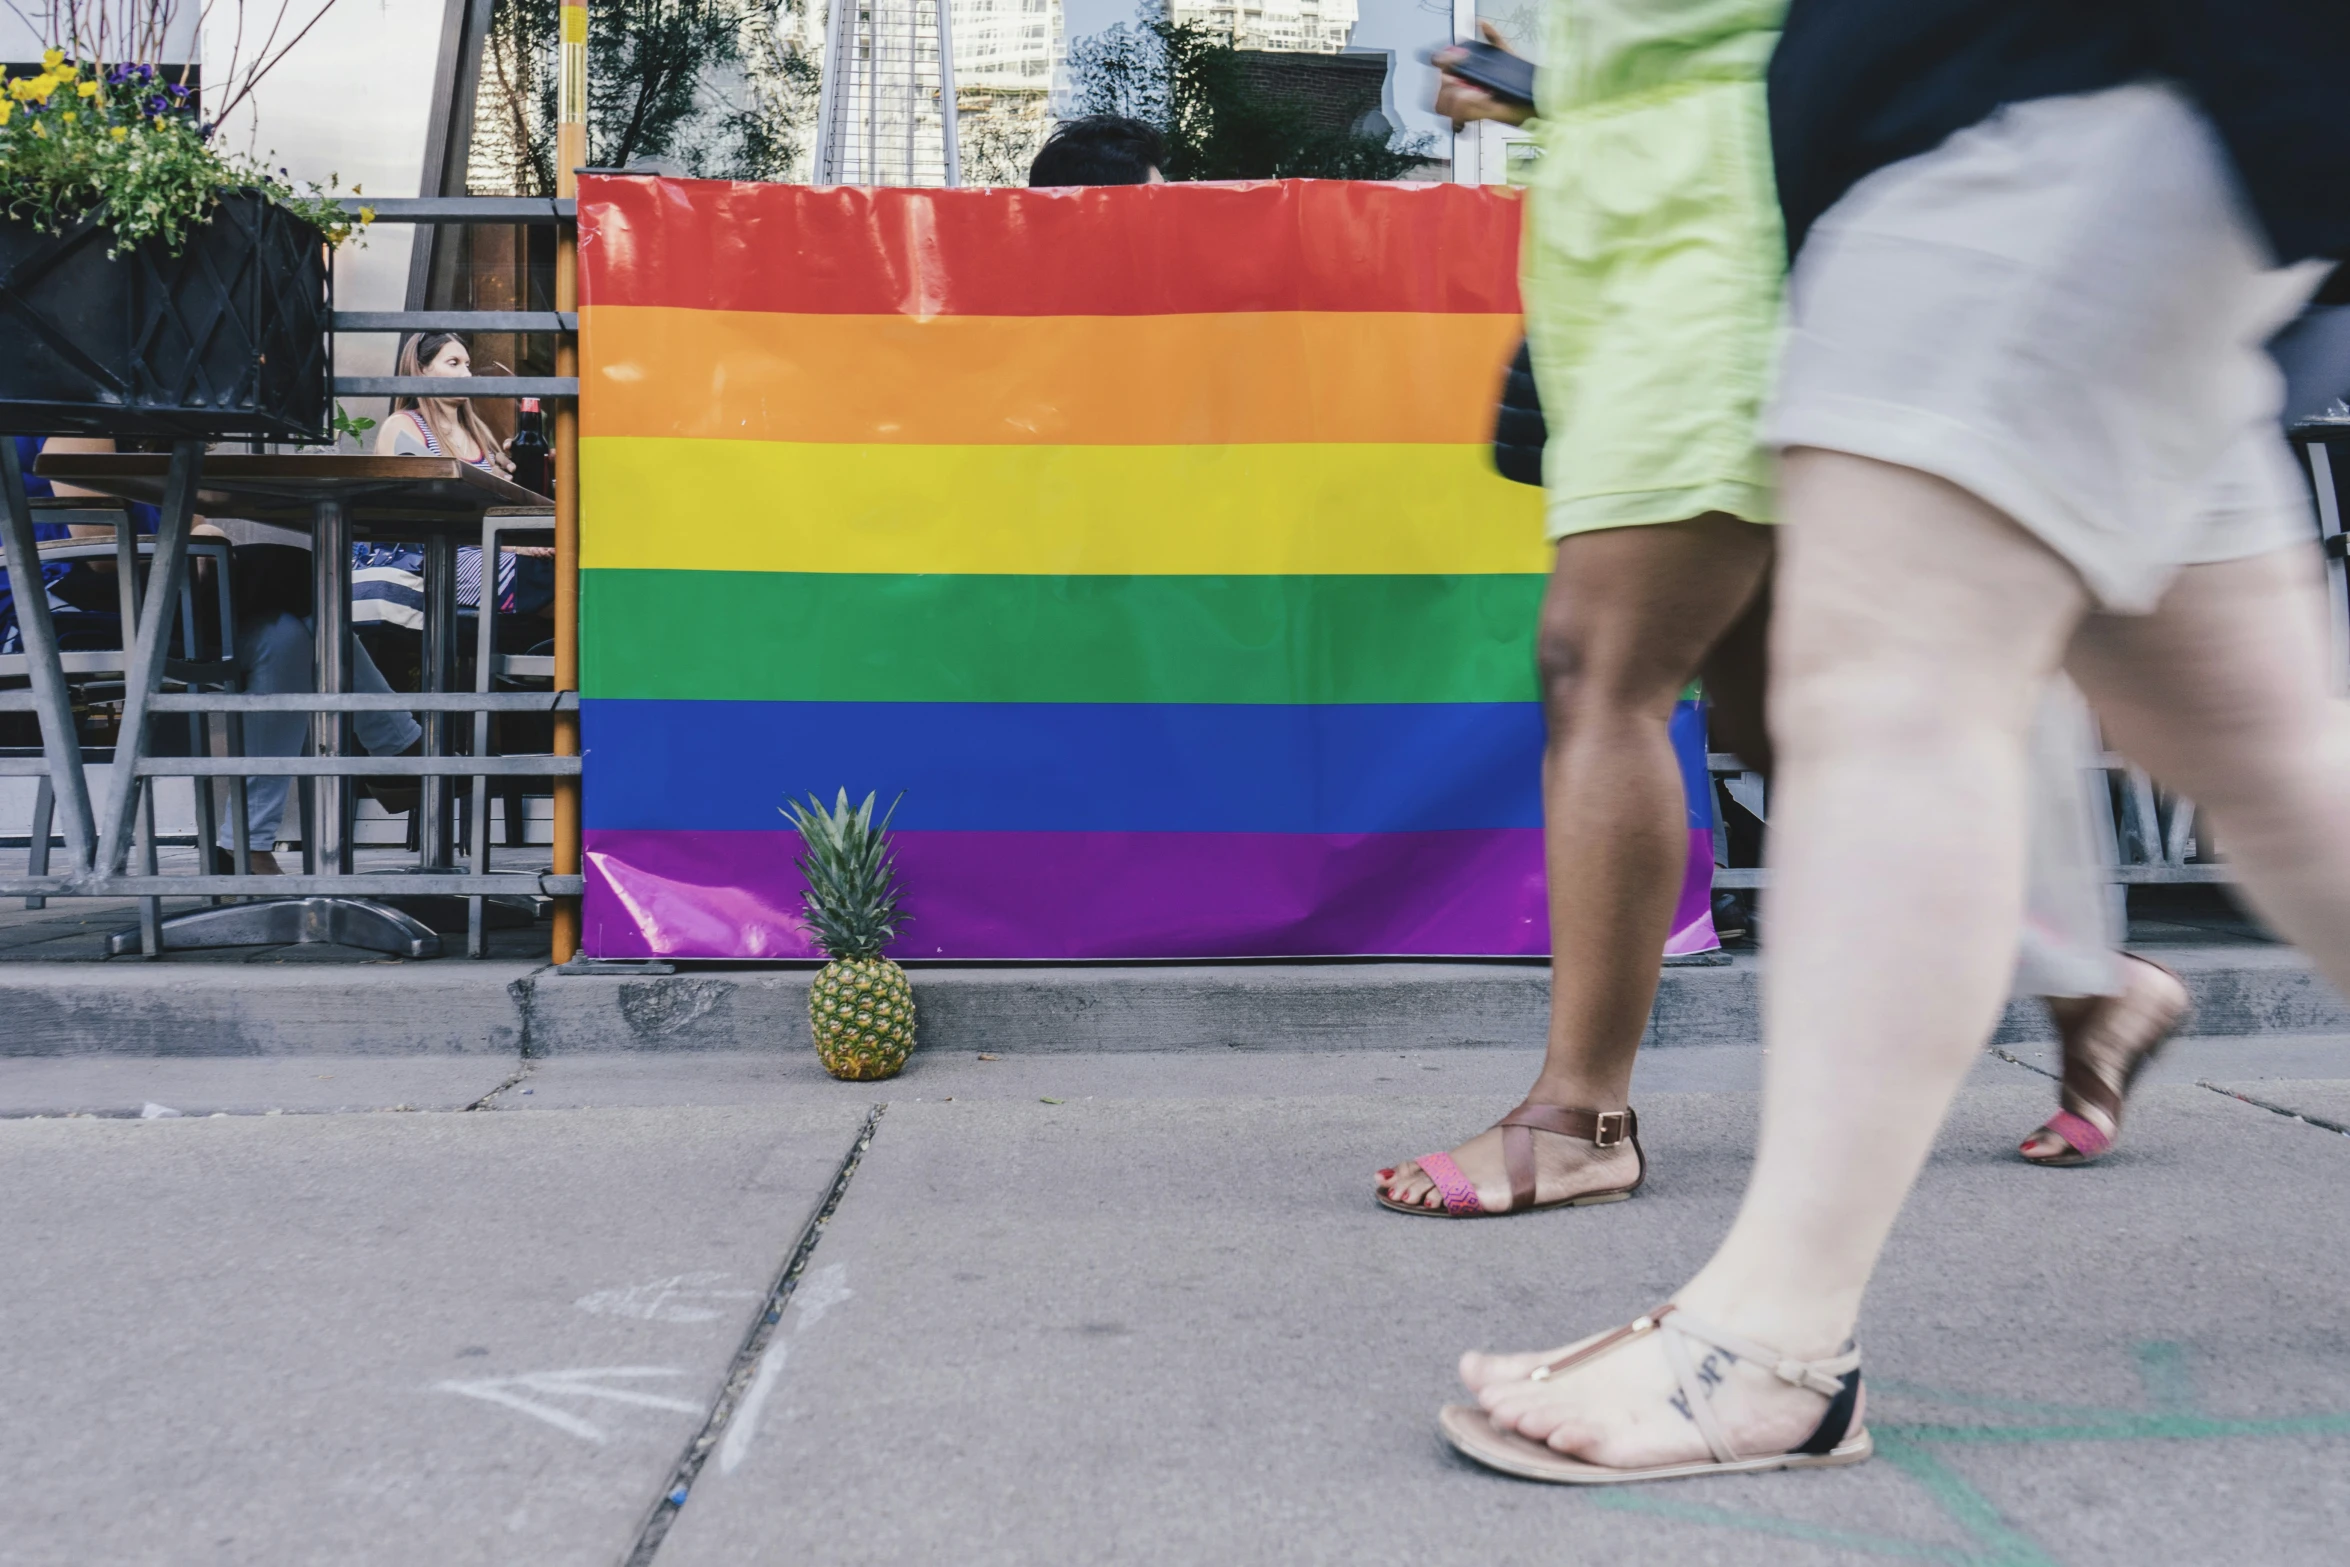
1461,101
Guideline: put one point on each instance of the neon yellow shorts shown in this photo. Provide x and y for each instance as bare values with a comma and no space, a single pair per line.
1653,263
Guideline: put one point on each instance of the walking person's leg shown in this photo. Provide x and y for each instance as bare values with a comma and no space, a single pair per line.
2223,694
1651,282
1890,709
2113,1010
1627,621
2076,274
2221,690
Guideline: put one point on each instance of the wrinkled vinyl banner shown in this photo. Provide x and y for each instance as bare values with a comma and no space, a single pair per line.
1144,538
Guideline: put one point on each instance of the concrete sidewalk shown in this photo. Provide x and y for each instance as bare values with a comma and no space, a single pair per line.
1077,1308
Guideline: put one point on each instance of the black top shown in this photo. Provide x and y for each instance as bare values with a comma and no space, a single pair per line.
1858,84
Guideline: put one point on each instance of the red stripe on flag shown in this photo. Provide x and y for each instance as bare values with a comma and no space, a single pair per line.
1322,245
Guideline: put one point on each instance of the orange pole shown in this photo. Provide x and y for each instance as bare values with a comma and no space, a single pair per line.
570,153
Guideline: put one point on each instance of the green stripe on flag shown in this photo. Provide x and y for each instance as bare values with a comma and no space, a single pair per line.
834,637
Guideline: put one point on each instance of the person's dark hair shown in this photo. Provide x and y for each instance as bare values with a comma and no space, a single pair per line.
1101,149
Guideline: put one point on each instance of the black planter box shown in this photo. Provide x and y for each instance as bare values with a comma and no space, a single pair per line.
229,338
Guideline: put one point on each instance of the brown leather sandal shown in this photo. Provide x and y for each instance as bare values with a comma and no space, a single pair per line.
2098,1075
1600,1128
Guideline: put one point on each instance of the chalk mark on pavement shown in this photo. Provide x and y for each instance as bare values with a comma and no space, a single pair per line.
583,1382
1994,1539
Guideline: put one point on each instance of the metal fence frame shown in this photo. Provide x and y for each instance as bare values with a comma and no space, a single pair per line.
100,838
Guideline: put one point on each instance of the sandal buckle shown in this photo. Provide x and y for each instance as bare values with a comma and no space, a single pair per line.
1610,1127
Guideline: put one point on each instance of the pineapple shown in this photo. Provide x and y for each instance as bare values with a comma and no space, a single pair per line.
861,1009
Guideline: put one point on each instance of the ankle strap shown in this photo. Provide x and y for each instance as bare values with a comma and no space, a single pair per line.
1825,1377
1601,1128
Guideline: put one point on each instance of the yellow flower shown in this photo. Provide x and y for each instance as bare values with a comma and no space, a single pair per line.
6,109
66,73
366,214
88,89
41,131
118,133
70,116
51,59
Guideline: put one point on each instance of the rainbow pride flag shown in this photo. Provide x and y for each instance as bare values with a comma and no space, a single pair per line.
1145,539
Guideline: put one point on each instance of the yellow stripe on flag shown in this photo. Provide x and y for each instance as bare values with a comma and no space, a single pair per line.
1054,510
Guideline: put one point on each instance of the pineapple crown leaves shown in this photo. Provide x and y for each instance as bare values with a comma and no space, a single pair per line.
851,901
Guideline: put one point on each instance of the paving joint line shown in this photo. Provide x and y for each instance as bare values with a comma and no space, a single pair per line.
2317,1121
764,1327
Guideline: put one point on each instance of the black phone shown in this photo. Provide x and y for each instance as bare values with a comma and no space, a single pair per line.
1509,77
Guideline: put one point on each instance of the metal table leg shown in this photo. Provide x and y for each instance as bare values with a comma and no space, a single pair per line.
36,854
477,938
435,847
60,742
143,671
127,600
330,564
199,736
241,824
2329,529
143,846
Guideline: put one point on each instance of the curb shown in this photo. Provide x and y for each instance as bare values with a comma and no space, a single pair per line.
125,1008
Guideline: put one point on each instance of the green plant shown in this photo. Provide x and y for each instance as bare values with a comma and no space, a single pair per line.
860,1005
353,425
124,146
1190,81
723,89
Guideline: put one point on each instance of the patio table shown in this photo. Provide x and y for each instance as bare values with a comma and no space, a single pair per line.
335,499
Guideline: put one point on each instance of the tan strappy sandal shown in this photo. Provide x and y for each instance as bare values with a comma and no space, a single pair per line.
2104,1051
1839,1439
1600,1128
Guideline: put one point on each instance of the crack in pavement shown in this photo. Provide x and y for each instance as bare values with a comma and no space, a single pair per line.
2013,1060
514,1078
2317,1121
744,1373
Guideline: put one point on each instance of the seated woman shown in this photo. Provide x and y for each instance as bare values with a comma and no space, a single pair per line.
446,427
439,426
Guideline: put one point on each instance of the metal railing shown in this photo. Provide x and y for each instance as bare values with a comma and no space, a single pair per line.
99,843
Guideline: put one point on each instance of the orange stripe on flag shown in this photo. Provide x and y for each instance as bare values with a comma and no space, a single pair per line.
1229,379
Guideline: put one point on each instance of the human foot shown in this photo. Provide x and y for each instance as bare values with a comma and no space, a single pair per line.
1537,1156
2107,1041
1667,1395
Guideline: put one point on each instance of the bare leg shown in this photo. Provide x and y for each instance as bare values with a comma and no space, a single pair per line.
1916,629
2222,693
1629,616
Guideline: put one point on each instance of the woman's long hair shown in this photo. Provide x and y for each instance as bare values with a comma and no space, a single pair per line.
444,416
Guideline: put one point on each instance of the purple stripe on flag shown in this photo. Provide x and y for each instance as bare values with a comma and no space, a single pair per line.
1046,895
1693,916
